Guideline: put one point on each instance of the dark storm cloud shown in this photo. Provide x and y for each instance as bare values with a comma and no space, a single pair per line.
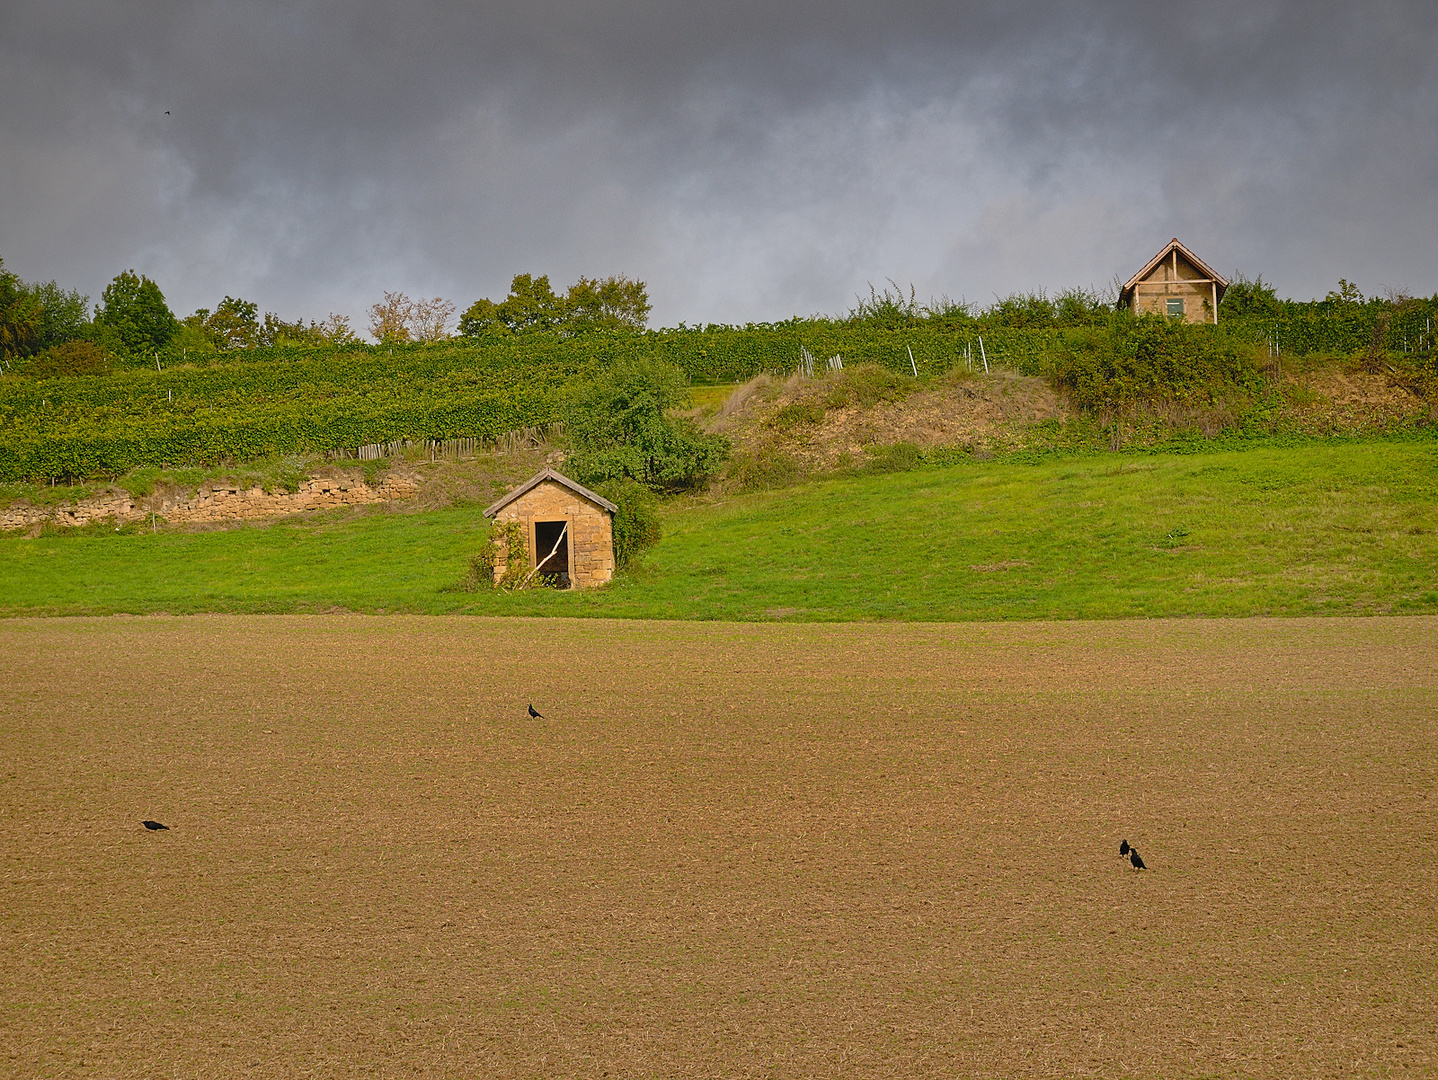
750,160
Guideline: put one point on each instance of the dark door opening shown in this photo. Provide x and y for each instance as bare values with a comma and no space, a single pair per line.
546,535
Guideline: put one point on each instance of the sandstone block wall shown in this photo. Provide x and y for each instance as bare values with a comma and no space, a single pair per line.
214,503
591,531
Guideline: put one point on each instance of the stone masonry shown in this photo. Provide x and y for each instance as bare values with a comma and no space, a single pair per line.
213,503
550,497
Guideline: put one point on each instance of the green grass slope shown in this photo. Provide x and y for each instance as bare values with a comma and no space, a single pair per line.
1327,528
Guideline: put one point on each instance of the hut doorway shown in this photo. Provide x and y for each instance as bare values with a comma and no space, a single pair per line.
552,536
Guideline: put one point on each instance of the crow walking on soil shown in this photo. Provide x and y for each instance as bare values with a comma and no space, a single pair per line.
534,714
154,826
1133,858
1122,848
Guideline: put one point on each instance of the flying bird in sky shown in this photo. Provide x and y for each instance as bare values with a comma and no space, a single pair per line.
689,150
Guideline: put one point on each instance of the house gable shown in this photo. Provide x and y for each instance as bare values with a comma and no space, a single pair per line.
1175,282
559,478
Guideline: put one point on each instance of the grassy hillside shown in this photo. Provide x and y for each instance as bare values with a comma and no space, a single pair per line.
1320,528
255,402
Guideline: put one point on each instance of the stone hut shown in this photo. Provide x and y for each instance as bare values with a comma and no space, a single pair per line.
568,528
1175,282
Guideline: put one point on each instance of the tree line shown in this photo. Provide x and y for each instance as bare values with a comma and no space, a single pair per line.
47,330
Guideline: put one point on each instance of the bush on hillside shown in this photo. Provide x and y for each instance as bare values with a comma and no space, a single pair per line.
1151,358
1245,299
895,457
621,428
636,524
764,468
75,357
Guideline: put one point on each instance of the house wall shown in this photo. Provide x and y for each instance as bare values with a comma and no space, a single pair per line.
591,530
1151,293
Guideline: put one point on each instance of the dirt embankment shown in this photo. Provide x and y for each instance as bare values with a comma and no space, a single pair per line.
822,424
1331,401
825,424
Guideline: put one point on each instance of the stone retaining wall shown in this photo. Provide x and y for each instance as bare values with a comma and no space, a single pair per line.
214,503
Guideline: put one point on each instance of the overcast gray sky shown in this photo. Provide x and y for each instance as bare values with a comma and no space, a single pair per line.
750,160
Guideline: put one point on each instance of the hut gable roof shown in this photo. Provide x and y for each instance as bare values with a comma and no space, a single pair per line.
1198,264
559,478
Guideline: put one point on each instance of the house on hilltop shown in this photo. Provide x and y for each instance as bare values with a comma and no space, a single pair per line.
569,530
1175,282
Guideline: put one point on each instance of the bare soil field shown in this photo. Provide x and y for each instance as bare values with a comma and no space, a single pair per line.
727,850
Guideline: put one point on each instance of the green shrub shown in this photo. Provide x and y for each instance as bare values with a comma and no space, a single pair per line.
621,427
897,457
290,472
506,540
765,468
796,414
637,524
1151,358
74,357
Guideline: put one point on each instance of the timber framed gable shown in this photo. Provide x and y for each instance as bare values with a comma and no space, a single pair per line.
1175,283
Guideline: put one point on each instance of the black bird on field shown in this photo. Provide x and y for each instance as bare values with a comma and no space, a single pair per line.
154,826
534,713
1122,848
1133,858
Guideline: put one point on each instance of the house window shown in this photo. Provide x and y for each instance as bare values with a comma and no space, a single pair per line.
1175,305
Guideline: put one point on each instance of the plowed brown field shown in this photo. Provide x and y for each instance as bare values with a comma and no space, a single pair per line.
729,850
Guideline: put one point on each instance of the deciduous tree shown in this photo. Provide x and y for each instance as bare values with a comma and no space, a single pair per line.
234,324
612,303
336,330
429,319
389,319
532,306
64,313
133,309
398,318
20,318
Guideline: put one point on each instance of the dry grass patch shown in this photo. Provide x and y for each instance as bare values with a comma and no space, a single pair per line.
832,420
1328,399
